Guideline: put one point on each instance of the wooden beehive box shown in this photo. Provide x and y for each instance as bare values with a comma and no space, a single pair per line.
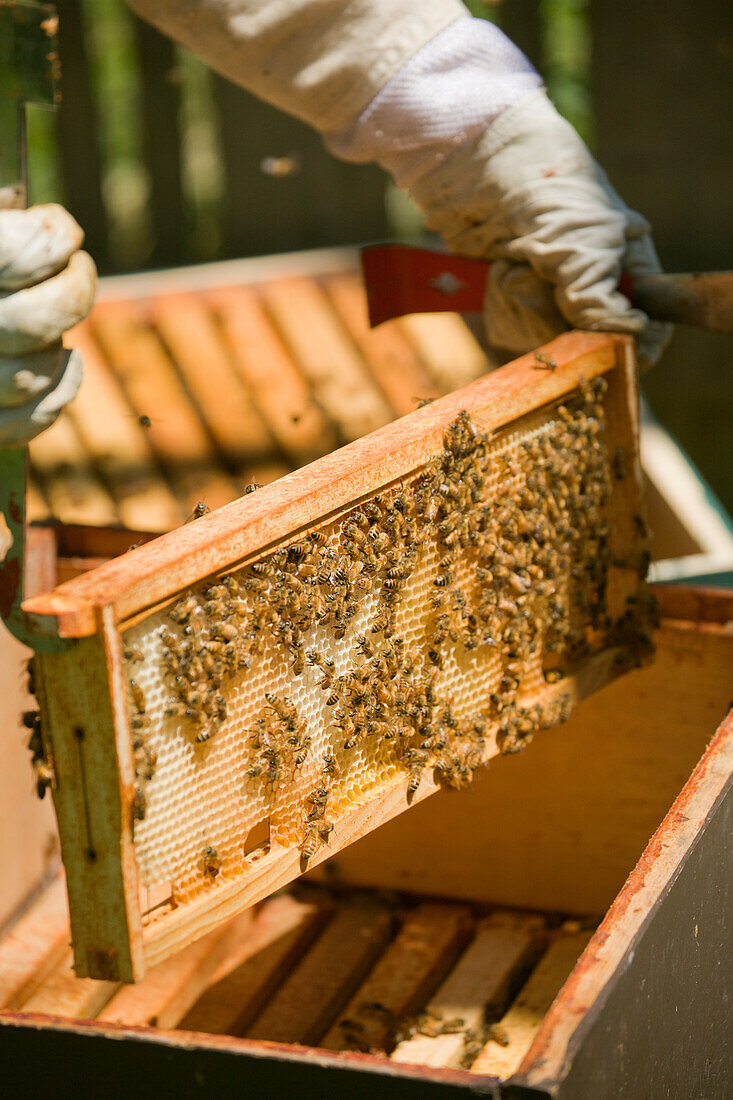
458,949
500,885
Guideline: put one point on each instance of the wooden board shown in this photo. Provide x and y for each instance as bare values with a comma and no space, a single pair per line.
63,994
282,929
107,427
306,1005
34,946
327,357
93,794
447,348
170,989
192,338
423,951
392,359
152,386
278,388
489,969
517,1029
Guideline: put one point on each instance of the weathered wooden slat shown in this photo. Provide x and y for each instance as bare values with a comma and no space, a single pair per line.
63,994
424,950
446,347
118,445
305,1006
78,144
520,1024
282,928
390,356
161,144
68,478
501,950
278,387
34,946
326,355
170,989
152,386
191,335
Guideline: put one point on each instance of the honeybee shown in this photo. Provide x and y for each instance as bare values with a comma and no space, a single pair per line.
132,653
330,765
311,840
182,611
138,696
139,804
283,707
303,753
211,862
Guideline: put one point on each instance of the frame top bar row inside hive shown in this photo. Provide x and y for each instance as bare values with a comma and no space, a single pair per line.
153,573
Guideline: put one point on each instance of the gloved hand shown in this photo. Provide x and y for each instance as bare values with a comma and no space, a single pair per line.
451,108
527,194
46,285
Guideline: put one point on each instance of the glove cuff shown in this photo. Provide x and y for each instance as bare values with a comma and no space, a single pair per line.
449,91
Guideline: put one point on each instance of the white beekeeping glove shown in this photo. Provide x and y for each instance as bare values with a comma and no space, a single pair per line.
454,111
46,285
466,127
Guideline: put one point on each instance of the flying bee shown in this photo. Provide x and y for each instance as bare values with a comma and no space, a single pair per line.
211,862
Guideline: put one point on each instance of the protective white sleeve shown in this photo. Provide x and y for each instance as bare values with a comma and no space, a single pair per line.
445,95
321,60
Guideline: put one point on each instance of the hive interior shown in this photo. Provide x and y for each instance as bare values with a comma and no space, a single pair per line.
448,604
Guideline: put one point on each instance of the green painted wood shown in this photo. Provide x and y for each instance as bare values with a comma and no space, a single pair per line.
162,145
77,128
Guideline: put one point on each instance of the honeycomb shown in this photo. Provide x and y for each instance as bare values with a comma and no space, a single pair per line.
406,640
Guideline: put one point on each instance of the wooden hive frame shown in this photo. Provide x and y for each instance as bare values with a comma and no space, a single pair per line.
83,691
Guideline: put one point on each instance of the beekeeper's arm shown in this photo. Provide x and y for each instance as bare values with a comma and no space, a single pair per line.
456,113
46,285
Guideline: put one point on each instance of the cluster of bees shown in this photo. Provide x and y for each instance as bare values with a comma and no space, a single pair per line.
144,756
521,573
356,1030
42,767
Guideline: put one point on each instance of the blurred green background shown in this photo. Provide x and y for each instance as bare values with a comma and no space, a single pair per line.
162,161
